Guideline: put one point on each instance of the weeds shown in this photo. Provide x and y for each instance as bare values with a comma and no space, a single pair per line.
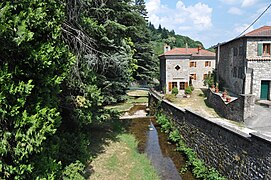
199,169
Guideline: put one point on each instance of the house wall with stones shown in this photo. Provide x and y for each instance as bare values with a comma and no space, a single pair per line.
241,69
170,73
235,154
258,67
231,66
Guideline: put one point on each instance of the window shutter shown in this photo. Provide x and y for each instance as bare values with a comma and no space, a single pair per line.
260,49
170,86
186,85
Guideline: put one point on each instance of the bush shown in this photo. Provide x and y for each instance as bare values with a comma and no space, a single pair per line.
175,91
188,90
170,97
192,88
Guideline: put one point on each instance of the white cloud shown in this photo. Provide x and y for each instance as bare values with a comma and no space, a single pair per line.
198,16
235,11
153,6
248,3
240,28
230,1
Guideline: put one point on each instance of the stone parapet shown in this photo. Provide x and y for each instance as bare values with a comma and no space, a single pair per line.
234,152
238,110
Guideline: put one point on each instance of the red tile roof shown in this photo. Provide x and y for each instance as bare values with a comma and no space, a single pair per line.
262,31
189,51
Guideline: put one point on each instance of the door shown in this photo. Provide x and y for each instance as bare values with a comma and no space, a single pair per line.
265,90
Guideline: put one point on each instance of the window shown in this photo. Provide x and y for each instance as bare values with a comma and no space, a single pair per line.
177,67
241,50
193,76
264,49
183,85
235,51
174,84
234,72
207,63
205,76
240,72
171,85
193,64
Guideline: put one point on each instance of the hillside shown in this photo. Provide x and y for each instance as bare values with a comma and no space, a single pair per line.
160,36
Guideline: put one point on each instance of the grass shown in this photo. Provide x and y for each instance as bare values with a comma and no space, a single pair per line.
134,97
196,103
121,160
137,93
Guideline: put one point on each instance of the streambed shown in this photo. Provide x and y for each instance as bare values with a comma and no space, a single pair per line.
154,143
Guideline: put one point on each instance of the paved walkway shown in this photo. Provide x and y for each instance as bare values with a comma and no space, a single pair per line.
261,120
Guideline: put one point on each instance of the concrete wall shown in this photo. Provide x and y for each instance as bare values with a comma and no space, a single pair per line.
238,110
234,154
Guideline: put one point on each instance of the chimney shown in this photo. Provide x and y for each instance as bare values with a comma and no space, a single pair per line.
186,48
166,48
199,49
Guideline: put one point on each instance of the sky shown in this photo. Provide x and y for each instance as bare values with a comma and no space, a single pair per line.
208,21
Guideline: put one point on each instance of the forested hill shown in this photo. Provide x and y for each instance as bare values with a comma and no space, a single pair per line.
160,36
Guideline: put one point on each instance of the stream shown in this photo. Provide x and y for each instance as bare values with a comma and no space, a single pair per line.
154,143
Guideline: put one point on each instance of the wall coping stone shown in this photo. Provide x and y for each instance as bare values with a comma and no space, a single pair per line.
240,131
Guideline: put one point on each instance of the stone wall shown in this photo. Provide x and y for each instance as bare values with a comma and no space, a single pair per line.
238,110
261,71
235,154
231,66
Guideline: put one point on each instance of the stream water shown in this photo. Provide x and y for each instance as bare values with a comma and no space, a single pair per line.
154,143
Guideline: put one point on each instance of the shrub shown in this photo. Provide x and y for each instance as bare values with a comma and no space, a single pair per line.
192,88
170,97
188,90
175,91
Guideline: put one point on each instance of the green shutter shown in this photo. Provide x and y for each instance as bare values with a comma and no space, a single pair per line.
260,49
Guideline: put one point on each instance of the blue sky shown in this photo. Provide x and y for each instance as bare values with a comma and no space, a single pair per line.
209,21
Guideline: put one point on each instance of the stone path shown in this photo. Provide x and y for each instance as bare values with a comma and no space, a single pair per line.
261,120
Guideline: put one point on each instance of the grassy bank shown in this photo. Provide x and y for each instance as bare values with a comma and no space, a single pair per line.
121,160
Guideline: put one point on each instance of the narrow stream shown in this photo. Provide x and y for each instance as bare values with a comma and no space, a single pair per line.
154,143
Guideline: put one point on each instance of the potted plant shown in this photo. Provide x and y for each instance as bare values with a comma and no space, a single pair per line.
216,88
188,91
224,94
228,99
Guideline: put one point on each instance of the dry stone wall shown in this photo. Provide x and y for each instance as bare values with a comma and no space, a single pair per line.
234,154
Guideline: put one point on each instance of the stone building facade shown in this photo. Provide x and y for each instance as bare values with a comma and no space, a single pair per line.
243,64
182,67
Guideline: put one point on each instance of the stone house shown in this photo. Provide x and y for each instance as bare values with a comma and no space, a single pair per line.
244,63
181,67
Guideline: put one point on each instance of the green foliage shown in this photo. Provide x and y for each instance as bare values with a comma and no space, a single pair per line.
209,80
74,171
170,97
174,91
199,169
188,90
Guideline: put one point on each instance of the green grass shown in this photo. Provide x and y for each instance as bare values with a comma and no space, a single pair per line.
141,168
123,107
137,93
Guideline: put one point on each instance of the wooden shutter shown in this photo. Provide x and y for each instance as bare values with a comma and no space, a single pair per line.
186,85
170,86
260,49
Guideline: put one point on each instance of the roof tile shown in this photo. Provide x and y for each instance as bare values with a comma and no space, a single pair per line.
189,51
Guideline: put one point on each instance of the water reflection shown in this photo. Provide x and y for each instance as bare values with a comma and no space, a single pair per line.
164,165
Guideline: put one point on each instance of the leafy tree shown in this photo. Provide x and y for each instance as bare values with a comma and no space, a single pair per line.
34,63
